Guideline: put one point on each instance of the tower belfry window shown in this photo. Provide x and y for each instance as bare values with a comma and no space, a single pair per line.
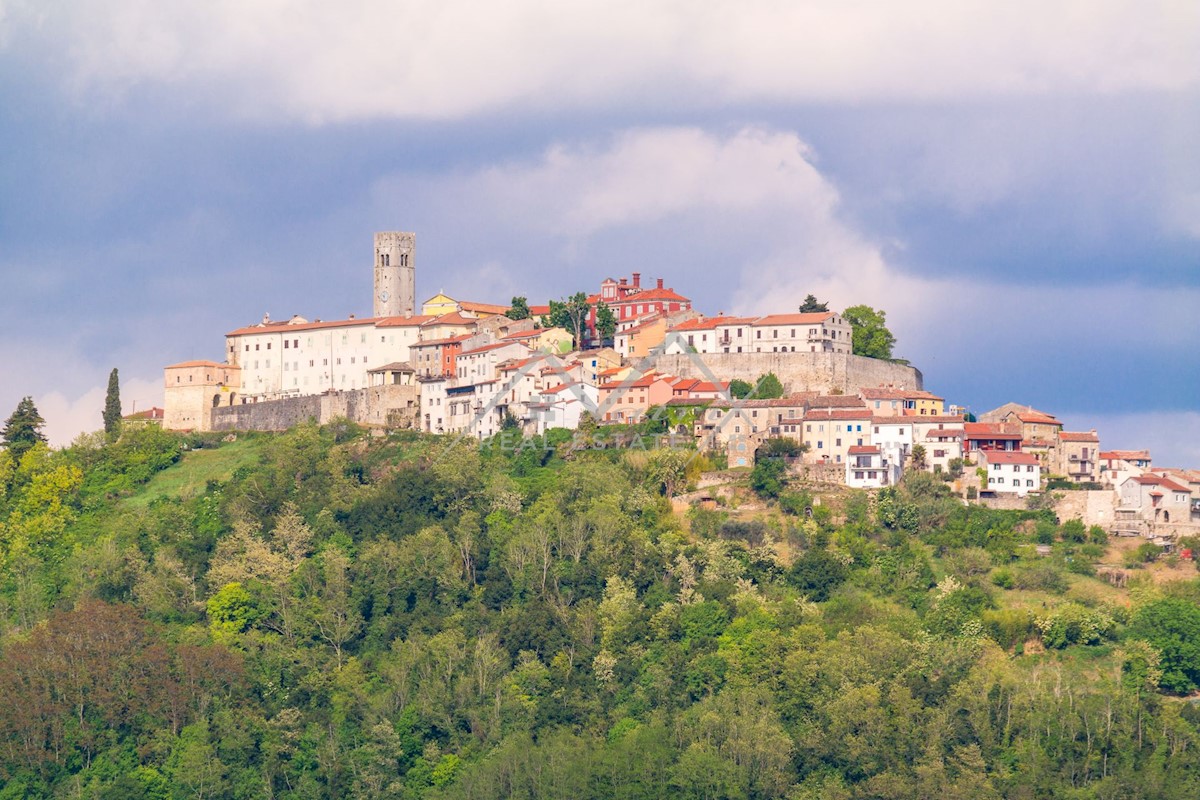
384,259
404,259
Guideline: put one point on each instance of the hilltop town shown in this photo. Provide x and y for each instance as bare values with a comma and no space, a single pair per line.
475,369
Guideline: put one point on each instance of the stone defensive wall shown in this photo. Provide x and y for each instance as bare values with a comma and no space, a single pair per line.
798,372
389,406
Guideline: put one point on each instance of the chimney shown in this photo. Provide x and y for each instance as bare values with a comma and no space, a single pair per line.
637,280
623,280
266,318
660,283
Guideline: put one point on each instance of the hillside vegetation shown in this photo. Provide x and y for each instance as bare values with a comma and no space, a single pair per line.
324,614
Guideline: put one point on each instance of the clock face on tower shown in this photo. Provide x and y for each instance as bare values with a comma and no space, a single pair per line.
383,296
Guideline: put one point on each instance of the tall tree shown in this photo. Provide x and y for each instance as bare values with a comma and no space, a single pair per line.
606,322
812,305
112,404
23,429
871,337
571,314
519,310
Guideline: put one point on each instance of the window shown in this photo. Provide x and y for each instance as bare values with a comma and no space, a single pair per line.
285,344
837,443
1029,483
295,343
268,345
256,346
247,348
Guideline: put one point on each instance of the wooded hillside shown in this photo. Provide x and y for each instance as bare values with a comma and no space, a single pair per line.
323,614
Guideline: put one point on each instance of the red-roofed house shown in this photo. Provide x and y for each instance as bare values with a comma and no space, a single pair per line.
989,436
479,364
830,433
191,388
561,406
822,332
887,401
433,357
627,401
1010,472
630,301
1117,465
1154,498
1078,456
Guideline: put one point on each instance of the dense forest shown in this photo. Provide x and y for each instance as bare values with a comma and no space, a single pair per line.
325,613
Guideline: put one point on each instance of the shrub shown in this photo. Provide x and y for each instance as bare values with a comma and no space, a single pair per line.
1147,552
1004,579
1041,577
1074,624
1073,531
1008,627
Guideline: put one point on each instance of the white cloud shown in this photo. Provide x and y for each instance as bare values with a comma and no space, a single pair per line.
451,58
67,417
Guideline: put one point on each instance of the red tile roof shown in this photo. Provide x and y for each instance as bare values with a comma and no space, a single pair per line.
149,413
183,364
1125,455
862,450
649,294
697,324
989,430
1067,436
794,319
403,322
836,401
286,326
1033,416
483,308
453,318
944,433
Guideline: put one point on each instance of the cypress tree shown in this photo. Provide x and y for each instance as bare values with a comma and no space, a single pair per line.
23,429
112,404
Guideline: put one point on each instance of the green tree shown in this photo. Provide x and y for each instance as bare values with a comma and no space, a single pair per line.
811,305
769,387
1172,626
23,429
606,322
519,309
571,314
918,456
871,337
740,389
112,405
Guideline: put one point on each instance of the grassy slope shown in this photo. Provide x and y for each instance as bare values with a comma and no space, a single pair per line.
195,469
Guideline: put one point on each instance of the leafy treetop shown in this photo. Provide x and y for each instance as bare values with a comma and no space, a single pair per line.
812,305
871,337
23,429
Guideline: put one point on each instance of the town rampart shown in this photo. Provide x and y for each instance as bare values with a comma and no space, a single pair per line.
798,372
386,406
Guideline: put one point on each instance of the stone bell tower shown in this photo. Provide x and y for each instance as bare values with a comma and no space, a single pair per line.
395,274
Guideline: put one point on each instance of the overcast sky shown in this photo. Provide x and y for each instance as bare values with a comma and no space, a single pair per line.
1016,184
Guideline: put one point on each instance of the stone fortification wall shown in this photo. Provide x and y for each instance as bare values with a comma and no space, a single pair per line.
391,406
799,372
1094,507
